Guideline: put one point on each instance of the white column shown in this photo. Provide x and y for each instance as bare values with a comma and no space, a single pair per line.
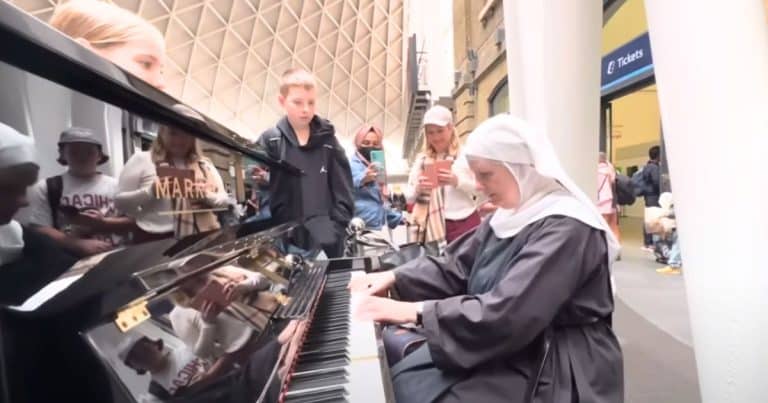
711,63
553,62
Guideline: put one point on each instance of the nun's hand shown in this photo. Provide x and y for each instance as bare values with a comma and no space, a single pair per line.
384,310
446,177
373,283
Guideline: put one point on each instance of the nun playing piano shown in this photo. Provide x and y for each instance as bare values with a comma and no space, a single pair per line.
520,309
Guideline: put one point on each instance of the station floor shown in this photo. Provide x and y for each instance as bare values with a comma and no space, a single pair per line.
652,323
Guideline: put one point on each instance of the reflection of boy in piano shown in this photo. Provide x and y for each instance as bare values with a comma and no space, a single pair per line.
177,372
172,370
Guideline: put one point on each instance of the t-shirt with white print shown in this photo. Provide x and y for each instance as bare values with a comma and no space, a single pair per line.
96,193
183,369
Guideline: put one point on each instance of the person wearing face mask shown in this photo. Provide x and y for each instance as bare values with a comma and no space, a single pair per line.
158,215
519,310
444,207
370,196
28,259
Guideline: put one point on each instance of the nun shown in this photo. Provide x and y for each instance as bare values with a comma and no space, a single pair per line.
28,259
518,310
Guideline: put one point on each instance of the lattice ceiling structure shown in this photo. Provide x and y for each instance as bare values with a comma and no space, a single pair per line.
225,57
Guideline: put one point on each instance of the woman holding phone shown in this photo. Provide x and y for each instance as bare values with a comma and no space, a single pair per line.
440,184
369,190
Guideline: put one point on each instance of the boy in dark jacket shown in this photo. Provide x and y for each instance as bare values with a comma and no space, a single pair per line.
321,197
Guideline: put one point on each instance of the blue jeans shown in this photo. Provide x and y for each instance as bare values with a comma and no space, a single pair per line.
675,257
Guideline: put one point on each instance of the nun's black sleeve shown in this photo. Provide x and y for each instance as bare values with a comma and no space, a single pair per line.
438,277
534,284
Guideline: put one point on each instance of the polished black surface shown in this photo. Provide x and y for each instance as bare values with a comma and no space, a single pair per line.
33,46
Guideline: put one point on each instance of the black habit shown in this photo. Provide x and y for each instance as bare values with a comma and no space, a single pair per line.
492,304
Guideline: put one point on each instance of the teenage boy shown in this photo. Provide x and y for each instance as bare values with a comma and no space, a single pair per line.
321,197
77,208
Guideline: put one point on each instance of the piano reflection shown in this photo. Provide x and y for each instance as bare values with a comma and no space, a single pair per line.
247,313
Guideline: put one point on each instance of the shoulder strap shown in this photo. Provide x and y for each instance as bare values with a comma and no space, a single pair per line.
158,390
54,189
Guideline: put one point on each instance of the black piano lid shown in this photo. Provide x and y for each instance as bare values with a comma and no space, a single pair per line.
32,45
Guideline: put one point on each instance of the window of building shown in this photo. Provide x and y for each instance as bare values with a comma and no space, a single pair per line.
498,102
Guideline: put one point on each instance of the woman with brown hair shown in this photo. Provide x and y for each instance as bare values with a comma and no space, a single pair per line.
440,183
159,213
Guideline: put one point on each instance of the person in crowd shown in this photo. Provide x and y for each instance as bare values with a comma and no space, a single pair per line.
651,189
397,199
76,208
321,197
257,204
371,201
161,214
663,225
519,309
115,34
28,259
606,201
444,206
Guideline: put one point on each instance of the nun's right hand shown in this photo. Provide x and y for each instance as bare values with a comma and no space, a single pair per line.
372,283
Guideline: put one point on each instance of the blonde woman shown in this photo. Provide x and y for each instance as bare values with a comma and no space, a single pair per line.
115,34
157,215
444,206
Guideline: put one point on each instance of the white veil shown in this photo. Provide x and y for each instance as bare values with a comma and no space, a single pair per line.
545,188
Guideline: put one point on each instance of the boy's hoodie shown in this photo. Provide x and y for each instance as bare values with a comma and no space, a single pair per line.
324,188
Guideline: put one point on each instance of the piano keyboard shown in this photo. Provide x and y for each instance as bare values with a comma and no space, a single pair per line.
339,360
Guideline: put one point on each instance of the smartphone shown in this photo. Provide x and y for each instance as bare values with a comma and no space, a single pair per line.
431,171
69,210
377,159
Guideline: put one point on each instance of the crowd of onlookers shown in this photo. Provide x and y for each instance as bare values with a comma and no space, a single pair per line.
658,223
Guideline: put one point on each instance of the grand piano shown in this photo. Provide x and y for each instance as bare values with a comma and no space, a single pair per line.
248,313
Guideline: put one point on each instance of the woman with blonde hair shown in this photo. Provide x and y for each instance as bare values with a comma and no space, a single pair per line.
161,215
115,34
444,204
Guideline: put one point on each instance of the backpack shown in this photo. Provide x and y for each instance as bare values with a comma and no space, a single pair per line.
638,182
624,190
55,188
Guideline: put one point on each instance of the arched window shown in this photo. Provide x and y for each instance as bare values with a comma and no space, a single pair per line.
498,101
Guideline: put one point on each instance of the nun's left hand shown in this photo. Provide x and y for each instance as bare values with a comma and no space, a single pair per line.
446,177
366,307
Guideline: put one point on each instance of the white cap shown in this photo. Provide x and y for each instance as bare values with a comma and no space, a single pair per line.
438,115
15,148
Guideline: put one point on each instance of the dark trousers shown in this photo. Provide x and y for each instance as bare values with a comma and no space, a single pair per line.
650,201
328,234
457,228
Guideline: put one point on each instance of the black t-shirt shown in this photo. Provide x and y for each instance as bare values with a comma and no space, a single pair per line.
42,261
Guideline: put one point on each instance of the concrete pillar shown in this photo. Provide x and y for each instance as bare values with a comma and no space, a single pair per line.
711,64
553,62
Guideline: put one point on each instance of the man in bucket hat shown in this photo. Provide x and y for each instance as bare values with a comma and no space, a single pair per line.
76,208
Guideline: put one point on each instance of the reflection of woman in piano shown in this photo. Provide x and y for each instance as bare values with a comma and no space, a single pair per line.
522,307
162,213
115,34
28,260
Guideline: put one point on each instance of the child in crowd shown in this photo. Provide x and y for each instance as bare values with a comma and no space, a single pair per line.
320,197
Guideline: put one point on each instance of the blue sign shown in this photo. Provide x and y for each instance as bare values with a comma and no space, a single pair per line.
627,64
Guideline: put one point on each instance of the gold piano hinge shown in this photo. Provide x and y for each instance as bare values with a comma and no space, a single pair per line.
132,316
282,298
